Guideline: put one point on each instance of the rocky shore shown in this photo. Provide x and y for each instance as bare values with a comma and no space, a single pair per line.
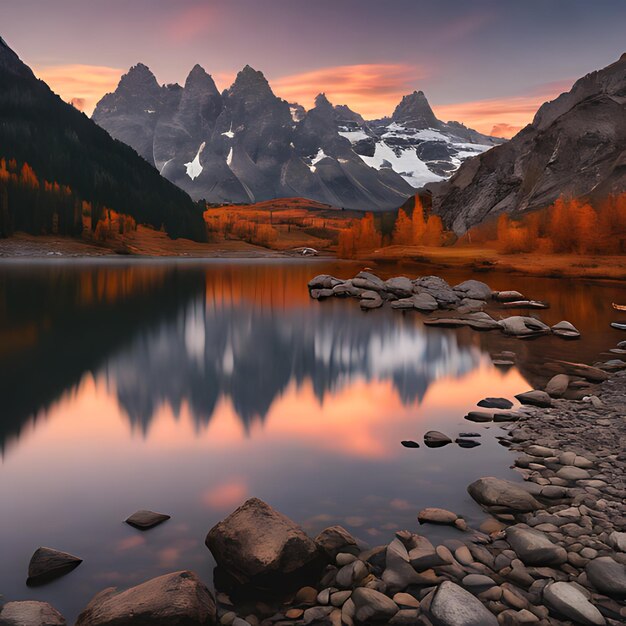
551,552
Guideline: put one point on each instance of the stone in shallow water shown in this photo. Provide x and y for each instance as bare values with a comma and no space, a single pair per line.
454,606
435,439
143,520
566,329
436,516
535,398
495,403
410,444
496,492
569,601
479,416
177,599
507,296
371,300
534,547
46,564
30,613
607,576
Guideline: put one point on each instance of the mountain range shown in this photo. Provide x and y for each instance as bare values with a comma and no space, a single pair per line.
247,145
62,145
574,147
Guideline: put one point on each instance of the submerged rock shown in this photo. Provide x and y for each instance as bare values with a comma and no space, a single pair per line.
258,545
496,492
177,599
46,564
143,520
30,613
454,606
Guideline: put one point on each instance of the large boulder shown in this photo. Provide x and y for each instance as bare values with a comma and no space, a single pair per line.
454,606
569,601
46,564
534,547
30,613
258,545
503,495
177,599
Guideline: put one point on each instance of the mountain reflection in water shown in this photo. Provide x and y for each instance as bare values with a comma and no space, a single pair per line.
186,387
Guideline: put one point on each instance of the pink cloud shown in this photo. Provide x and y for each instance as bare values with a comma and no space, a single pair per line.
373,90
191,22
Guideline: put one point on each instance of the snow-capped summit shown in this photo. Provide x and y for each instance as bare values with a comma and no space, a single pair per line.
412,142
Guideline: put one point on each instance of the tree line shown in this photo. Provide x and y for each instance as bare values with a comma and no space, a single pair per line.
40,207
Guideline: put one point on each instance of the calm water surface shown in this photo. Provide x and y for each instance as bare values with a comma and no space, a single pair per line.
188,387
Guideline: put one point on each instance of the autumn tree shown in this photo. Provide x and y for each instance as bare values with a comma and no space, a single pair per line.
403,229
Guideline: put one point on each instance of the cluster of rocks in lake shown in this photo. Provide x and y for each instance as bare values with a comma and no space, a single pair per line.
551,550
460,305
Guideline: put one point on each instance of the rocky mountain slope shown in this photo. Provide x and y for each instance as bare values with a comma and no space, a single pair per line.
575,146
62,145
247,145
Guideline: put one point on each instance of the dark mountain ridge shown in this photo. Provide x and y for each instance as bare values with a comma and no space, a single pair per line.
63,145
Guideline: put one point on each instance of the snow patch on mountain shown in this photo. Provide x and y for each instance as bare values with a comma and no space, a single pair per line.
194,168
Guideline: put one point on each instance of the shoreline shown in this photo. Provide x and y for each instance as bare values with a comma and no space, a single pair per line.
158,246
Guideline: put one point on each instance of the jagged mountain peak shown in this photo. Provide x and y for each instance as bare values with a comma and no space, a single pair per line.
250,81
139,78
343,113
199,78
321,101
414,110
